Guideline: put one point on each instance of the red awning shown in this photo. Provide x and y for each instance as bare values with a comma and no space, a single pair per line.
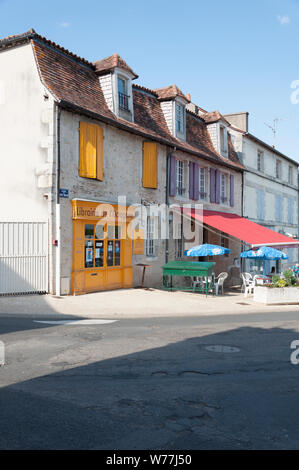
243,229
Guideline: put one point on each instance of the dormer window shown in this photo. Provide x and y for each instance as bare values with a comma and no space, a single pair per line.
123,97
223,140
115,78
173,105
180,118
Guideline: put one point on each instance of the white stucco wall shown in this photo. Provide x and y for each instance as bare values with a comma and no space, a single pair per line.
26,138
266,181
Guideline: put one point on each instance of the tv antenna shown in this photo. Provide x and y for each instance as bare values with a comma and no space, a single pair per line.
274,128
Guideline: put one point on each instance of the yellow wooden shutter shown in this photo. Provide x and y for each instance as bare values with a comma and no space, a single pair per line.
138,242
100,153
88,151
149,165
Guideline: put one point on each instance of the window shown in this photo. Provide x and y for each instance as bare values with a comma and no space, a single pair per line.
91,151
278,169
224,242
180,177
123,98
102,246
260,161
202,183
150,237
180,121
290,175
149,165
179,243
223,187
222,139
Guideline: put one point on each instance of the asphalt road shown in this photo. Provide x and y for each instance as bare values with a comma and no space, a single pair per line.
161,383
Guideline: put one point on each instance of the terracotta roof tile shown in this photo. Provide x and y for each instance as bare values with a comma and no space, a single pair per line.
199,137
32,34
169,93
75,84
110,63
213,116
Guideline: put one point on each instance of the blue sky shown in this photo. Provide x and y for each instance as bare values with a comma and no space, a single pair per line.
229,55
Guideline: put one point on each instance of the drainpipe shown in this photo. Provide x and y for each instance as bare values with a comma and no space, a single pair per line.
58,225
242,214
167,202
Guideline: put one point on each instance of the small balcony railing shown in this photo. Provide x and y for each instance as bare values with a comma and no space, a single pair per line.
180,190
123,101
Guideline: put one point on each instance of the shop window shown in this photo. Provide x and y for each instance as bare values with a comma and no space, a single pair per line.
113,245
91,151
102,244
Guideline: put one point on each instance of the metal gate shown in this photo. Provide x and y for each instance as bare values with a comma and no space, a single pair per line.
23,257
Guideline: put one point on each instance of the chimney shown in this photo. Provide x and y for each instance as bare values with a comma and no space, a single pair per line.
239,120
188,96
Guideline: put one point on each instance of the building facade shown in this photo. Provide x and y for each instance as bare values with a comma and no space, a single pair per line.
84,149
270,194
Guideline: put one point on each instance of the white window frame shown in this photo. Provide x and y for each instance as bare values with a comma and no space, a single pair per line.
260,161
224,188
223,145
179,116
127,77
290,175
150,237
202,183
179,243
180,178
278,169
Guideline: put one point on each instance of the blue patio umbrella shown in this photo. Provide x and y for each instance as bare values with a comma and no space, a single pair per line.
265,253
207,250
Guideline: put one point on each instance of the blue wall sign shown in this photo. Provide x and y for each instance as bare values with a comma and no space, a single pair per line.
63,192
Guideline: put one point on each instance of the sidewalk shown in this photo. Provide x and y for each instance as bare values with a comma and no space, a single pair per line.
132,303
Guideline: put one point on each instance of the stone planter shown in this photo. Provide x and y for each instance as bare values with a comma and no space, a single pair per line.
276,295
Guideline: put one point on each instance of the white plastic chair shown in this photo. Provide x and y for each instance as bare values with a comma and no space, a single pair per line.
248,283
246,277
220,281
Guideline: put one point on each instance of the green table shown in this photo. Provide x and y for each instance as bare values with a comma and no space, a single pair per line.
202,270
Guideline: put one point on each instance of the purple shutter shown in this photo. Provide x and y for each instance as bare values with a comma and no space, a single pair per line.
196,182
212,185
217,184
232,190
191,182
172,176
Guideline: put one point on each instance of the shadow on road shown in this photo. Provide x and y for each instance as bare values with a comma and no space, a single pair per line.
183,395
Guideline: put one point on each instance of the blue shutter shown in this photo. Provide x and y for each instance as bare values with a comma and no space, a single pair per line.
260,205
212,185
217,178
172,176
277,208
280,208
290,211
232,191
196,182
191,180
